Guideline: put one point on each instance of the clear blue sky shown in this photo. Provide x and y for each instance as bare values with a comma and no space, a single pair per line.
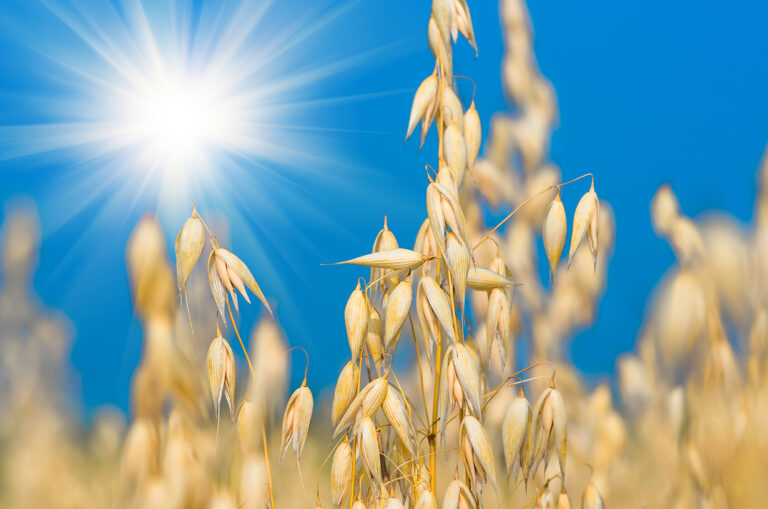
648,93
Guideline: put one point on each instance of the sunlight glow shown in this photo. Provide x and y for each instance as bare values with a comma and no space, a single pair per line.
177,122
159,102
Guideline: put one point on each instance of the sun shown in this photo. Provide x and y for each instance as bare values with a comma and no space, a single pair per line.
177,123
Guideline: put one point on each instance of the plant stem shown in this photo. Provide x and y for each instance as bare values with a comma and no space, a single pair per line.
263,428
556,186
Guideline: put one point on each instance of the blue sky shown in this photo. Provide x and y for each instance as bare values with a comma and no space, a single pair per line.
648,93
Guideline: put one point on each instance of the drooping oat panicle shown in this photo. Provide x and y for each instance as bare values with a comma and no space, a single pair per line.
563,502
517,419
240,275
553,231
342,473
395,410
359,504
455,151
298,413
369,449
221,373
424,100
582,219
477,454
346,387
397,259
397,309
591,499
472,134
189,246
356,320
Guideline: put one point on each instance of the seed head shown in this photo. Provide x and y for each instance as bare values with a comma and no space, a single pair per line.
397,309
356,320
455,150
591,498
395,410
426,500
477,453
486,280
236,276
553,232
346,387
369,449
298,413
342,472
513,432
221,373
424,101
582,219
189,246
397,259
457,257
497,322
452,112
458,496
472,134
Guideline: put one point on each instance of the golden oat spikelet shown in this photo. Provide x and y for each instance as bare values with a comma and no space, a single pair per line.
485,280
395,410
239,276
455,151
221,373
298,413
582,219
189,246
591,498
356,320
424,101
514,427
472,134
553,231
342,473
346,386
397,259
369,450
477,453
397,309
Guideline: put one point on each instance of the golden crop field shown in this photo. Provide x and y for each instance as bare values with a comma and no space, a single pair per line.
466,424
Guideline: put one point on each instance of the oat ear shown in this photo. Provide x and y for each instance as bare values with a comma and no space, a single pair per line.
237,265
